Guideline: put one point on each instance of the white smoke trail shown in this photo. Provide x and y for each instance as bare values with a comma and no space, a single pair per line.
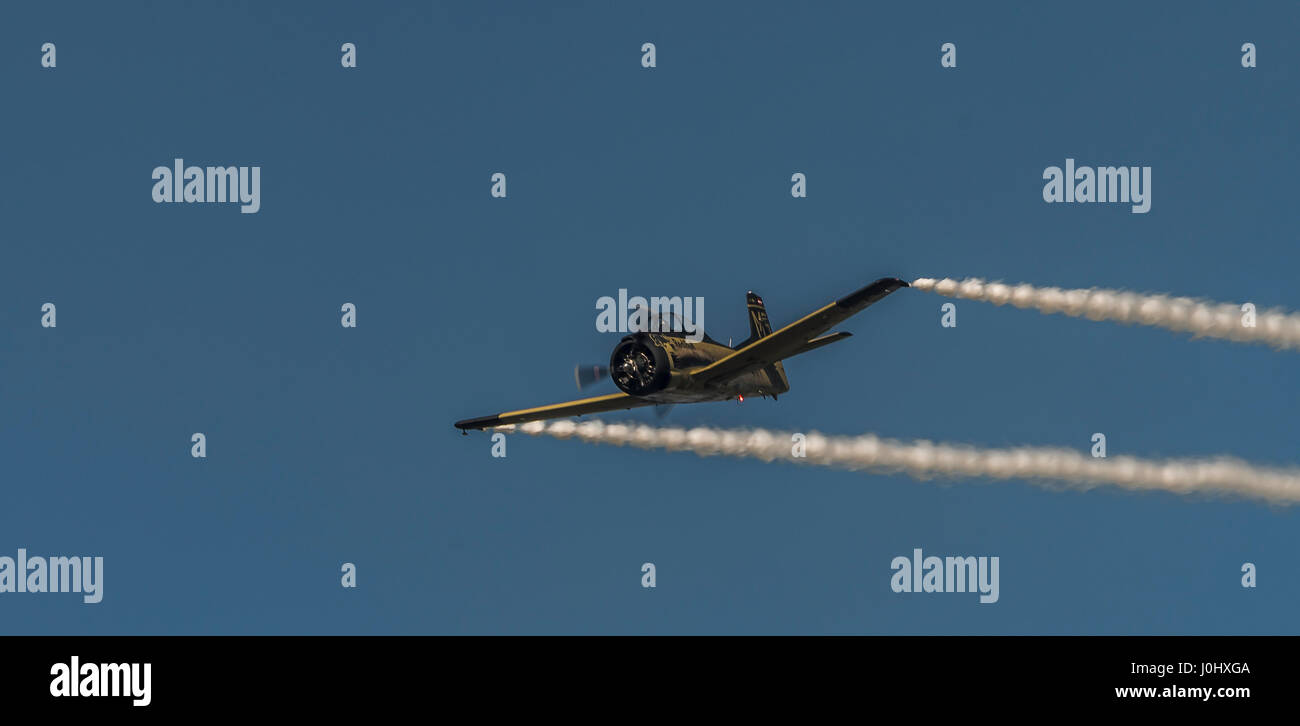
924,459
1200,318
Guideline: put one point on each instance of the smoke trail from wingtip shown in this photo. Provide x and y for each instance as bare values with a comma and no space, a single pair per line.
924,459
1186,315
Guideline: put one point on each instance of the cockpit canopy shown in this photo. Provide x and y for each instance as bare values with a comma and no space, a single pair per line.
666,322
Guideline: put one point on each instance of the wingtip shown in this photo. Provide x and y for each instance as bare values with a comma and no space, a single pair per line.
481,422
871,293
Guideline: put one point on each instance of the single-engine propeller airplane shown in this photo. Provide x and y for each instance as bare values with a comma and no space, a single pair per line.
654,368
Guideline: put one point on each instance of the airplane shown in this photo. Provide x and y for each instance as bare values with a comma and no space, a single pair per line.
656,368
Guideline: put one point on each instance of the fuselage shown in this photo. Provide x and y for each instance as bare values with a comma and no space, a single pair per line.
684,355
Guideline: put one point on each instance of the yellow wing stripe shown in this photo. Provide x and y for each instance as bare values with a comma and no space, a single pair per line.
763,343
598,404
790,339
594,402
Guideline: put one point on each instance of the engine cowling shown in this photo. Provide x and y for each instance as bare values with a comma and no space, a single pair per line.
639,366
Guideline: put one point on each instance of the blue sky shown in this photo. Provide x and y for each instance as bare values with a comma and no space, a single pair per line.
329,445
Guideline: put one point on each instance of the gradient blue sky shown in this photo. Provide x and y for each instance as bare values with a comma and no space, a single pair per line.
328,445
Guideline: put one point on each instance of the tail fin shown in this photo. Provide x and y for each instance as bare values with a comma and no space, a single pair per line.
759,327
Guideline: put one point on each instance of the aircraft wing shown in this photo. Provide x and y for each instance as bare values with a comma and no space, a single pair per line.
599,404
795,337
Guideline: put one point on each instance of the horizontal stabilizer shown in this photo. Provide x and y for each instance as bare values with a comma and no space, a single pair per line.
816,343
